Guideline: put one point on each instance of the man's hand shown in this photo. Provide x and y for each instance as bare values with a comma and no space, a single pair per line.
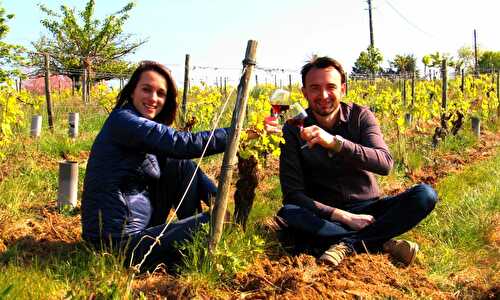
358,222
355,221
316,135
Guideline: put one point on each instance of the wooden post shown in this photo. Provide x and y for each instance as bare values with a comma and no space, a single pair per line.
444,77
476,70
413,90
290,83
346,85
372,43
185,91
498,94
403,91
256,81
84,86
229,160
225,87
88,85
47,93
275,81
462,84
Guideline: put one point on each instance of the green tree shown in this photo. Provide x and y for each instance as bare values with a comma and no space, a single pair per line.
426,60
10,55
489,60
368,61
405,63
80,41
437,59
465,59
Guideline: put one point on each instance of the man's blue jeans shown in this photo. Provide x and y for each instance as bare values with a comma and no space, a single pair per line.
394,215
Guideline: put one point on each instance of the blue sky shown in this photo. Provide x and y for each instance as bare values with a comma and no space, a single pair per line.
215,32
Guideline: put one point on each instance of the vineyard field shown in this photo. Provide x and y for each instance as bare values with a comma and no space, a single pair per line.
42,255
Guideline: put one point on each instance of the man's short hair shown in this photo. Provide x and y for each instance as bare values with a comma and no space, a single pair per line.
322,62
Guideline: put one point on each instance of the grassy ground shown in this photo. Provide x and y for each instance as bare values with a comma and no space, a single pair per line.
460,238
42,256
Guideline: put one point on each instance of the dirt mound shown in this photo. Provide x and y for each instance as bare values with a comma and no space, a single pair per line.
360,276
300,277
160,285
45,235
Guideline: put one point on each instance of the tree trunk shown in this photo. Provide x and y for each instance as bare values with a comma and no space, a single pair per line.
245,189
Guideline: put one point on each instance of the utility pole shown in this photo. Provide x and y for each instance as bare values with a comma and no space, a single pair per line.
475,53
372,43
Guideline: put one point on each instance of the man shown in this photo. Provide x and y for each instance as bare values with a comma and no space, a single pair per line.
330,195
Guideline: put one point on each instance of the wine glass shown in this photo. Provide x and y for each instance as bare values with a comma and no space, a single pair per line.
279,102
295,115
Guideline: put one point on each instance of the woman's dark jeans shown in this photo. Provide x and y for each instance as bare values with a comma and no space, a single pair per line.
394,215
166,194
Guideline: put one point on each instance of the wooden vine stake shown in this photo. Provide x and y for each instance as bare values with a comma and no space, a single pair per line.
498,94
185,91
444,93
47,92
229,160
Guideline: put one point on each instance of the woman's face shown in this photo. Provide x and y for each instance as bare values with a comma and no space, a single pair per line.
149,94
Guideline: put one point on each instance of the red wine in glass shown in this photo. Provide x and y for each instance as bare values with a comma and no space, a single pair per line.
297,122
277,109
279,102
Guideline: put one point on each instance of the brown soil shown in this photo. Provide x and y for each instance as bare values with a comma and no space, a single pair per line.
47,234
300,277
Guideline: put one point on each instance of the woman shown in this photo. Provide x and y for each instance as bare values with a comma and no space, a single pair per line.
138,170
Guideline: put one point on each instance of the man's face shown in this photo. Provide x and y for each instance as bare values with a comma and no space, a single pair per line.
323,90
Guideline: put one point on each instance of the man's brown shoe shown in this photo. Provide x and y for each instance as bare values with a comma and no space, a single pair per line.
402,250
335,254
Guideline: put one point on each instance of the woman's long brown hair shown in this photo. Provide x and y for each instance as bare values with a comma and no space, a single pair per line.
167,114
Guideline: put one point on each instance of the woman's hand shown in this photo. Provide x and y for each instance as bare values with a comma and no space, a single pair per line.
271,125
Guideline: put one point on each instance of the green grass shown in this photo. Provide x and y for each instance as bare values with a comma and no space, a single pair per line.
456,232
34,186
237,249
235,252
74,271
458,143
